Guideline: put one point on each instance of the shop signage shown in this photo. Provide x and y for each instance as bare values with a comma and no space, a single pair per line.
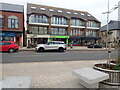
59,36
6,34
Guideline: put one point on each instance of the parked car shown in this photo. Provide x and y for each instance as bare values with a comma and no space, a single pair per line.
9,46
52,45
94,46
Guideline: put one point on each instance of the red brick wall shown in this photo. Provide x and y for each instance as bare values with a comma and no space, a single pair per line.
18,15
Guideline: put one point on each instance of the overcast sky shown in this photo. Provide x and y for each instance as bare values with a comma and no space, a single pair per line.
94,7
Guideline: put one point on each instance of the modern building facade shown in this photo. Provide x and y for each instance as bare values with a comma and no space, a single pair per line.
45,23
114,27
11,22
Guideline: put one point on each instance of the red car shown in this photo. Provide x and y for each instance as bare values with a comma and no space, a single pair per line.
9,46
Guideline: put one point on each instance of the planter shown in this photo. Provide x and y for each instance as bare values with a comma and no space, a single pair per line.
114,75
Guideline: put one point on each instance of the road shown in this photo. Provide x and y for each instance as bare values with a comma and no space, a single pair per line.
32,56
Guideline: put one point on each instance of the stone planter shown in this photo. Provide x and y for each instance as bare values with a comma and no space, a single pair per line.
114,75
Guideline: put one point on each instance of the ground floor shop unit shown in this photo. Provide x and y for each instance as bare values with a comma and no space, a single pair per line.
83,40
65,39
12,36
34,39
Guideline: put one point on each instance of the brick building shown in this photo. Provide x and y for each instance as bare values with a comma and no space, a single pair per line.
45,23
11,22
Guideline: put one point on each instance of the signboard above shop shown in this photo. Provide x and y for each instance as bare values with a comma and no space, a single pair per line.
52,36
7,34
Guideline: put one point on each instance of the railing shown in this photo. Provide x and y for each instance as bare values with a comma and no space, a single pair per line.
114,76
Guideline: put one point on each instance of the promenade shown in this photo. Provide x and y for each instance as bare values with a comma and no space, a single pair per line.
75,48
49,74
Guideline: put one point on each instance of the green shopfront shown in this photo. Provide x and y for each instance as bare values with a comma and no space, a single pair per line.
59,38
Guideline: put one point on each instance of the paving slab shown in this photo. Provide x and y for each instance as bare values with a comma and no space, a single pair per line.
16,82
48,74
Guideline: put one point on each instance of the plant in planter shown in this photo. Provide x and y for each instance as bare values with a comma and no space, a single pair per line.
112,69
117,66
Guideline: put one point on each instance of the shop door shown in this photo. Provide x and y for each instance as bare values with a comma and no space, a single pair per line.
18,40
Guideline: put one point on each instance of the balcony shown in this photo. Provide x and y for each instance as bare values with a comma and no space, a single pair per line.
43,24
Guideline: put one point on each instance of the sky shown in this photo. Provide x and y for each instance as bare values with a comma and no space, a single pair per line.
94,7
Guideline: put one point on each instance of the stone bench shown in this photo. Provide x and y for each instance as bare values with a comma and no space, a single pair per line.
90,78
16,82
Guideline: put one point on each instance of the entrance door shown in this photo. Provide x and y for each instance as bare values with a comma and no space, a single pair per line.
18,40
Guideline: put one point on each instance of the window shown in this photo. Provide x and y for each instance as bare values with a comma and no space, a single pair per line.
82,14
38,30
76,32
76,22
59,11
43,9
58,20
1,21
12,22
7,43
69,12
1,43
38,19
75,13
91,33
58,31
50,43
92,24
51,10
33,8
88,14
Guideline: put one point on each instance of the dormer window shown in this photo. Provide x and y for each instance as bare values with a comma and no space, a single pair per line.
59,11
34,8
43,9
76,13
82,14
69,12
88,14
51,10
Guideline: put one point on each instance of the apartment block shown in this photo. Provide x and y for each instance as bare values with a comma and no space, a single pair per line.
46,23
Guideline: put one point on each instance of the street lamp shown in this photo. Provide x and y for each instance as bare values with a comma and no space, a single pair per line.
108,12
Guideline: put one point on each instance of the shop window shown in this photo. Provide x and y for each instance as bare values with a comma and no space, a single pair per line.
12,22
1,21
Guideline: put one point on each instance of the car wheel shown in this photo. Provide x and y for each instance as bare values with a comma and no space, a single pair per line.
11,50
41,49
61,49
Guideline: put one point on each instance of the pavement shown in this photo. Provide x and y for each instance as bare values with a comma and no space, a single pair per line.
49,74
75,48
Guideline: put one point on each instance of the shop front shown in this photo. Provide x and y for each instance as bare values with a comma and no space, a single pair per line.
83,41
34,39
59,38
11,36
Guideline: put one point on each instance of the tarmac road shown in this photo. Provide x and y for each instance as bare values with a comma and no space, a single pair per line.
32,56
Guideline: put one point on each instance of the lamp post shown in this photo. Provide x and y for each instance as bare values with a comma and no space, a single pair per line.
107,38
108,12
